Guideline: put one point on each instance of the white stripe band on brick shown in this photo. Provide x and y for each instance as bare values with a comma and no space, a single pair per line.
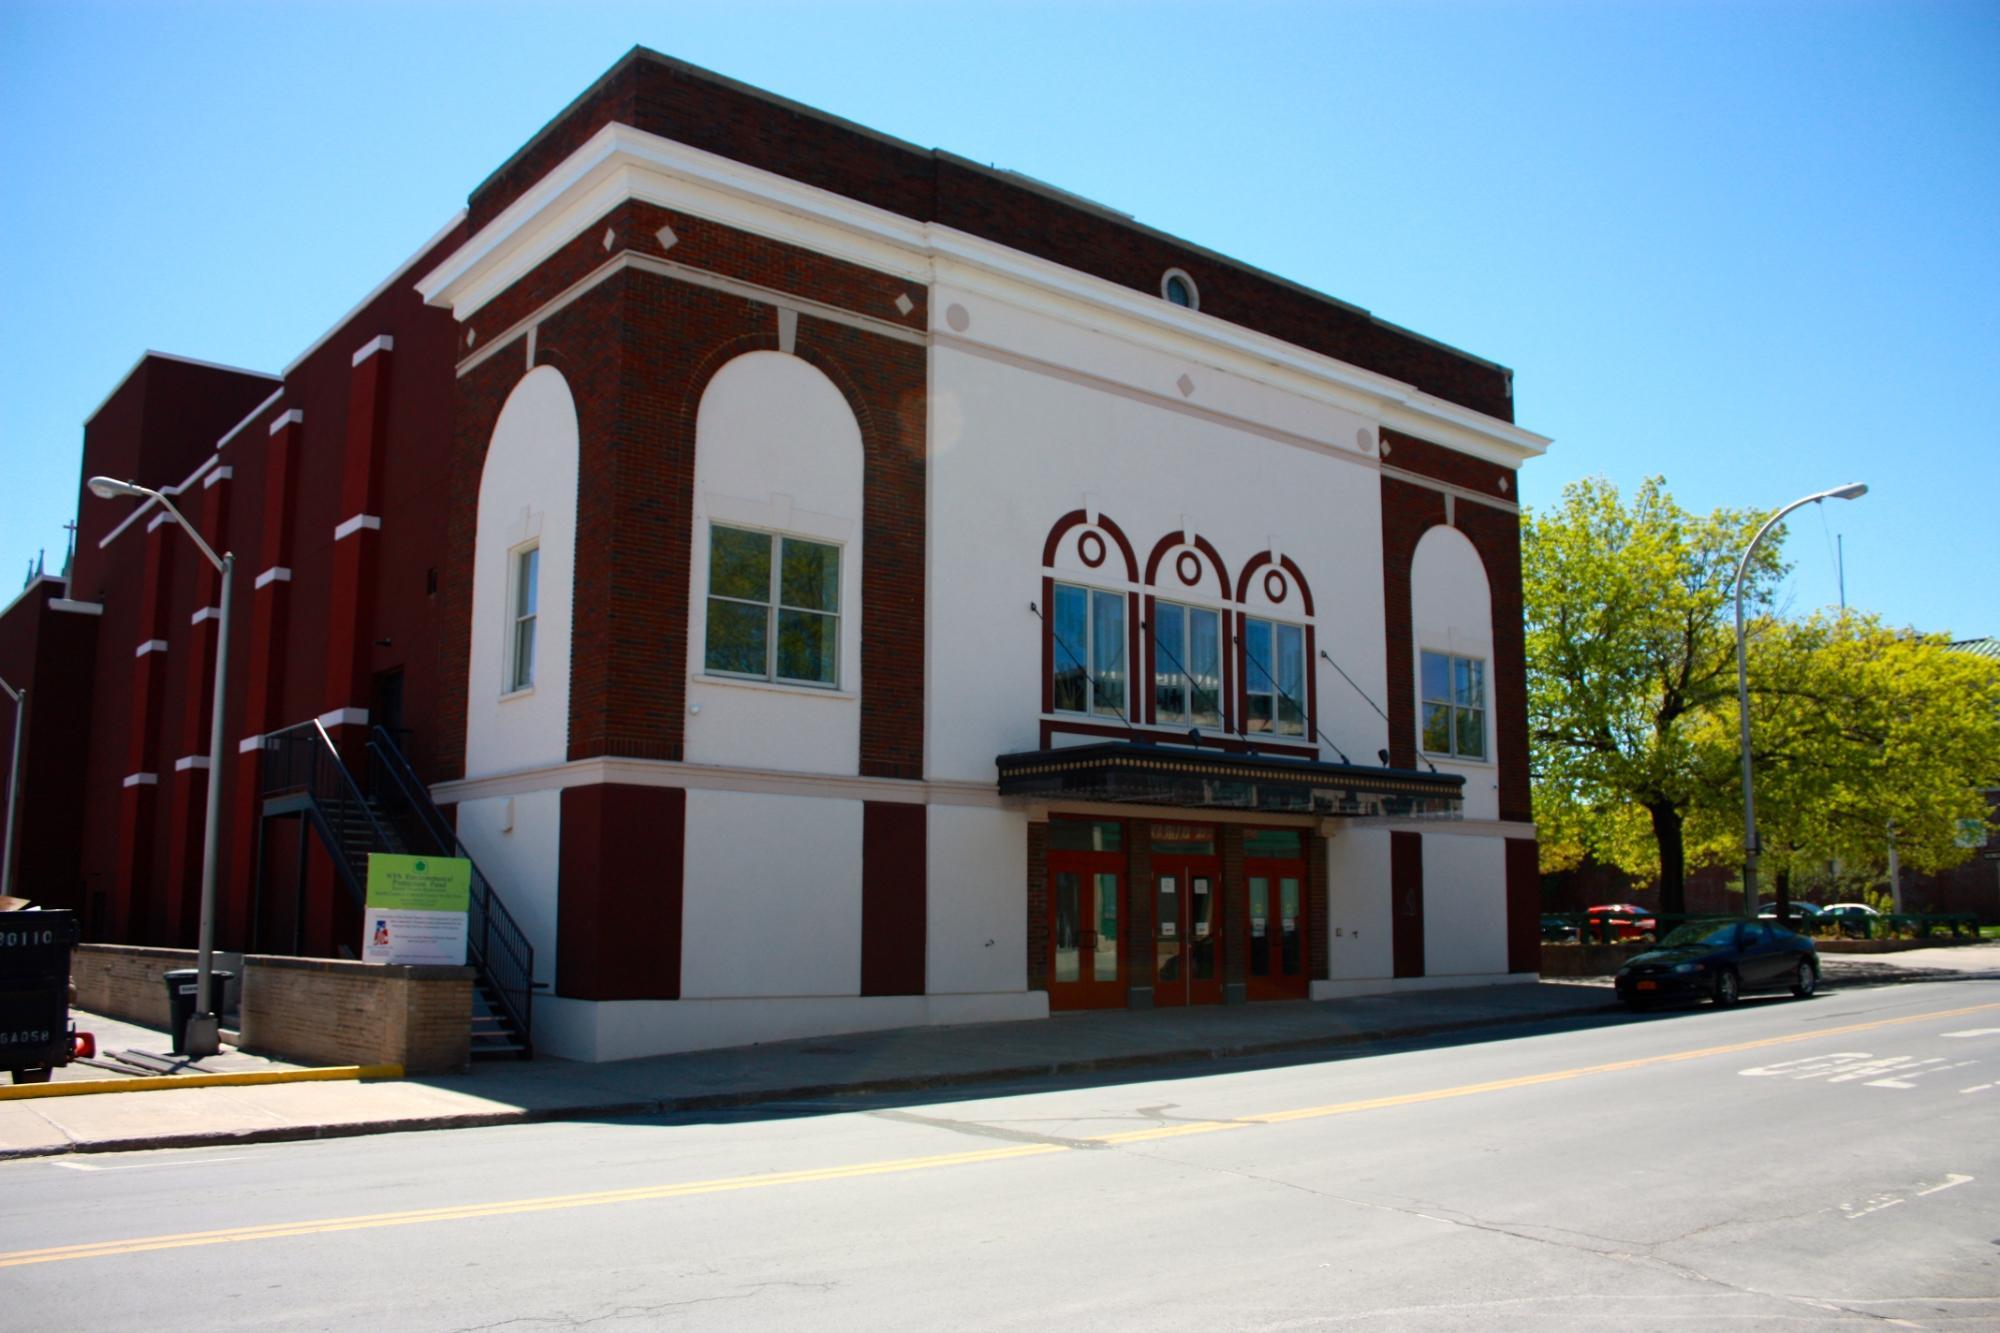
381,343
206,613
249,743
275,574
188,761
150,646
356,524
142,779
291,418
219,474
76,608
344,717
158,519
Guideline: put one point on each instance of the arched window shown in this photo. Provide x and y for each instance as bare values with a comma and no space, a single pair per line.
1276,650
1090,633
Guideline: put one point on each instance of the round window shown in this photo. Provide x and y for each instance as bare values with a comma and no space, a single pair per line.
1179,290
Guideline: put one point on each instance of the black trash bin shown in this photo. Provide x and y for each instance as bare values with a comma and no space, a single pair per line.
182,983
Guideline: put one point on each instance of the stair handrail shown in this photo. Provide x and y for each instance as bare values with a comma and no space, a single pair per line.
327,779
501,950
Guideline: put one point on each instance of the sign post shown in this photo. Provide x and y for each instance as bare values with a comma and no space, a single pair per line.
416,909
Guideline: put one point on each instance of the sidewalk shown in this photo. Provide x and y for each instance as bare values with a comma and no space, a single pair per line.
907,1059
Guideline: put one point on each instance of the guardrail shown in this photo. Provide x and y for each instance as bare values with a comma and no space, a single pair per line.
1625,927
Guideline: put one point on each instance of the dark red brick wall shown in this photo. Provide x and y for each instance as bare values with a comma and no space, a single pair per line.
1408,511
894,839
618,895
1496,533
1524,906
638,350
693,107
1038,906
1447,465
1406,902
51,655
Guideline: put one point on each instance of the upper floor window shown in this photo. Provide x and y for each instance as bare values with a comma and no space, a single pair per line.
1089,664
773,607
1179,289
1454,705
521,643
1274,681
1187,665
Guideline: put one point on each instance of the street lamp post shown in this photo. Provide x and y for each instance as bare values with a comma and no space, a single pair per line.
203,1031
1852,491
20,698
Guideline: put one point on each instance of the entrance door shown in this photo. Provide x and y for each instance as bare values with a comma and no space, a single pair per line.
1274,870
1086,904
1187,916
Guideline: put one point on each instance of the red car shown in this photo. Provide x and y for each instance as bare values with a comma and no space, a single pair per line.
1619,921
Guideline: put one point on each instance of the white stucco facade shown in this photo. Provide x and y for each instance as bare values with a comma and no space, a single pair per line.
1242,475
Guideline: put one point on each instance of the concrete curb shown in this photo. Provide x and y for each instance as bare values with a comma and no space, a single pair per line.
713,1101
166,1082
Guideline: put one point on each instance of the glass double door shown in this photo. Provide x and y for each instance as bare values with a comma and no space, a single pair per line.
1187,930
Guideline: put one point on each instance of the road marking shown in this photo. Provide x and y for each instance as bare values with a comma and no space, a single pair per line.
1973,1032
1977,1087
689,1189
1877,1203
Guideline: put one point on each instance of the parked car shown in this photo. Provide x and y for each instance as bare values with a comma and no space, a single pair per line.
1805,913
1856,919
1623,921
1557,929
1720,961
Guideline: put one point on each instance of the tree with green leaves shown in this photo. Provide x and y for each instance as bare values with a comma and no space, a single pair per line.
1858,734
1631,646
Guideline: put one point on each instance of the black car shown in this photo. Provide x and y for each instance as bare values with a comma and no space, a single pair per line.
1720,960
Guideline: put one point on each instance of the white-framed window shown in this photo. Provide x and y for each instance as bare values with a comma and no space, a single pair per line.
1454,705
1089,650
1274,677
526,568
1187,664
1179,289
773,607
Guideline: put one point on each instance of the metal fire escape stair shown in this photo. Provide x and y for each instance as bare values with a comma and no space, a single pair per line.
304,777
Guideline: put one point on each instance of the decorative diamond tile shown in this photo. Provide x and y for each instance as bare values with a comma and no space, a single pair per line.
1186,386
904,305
666,237
610,238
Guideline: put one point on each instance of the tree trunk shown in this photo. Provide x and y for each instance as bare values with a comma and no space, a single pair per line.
1667,821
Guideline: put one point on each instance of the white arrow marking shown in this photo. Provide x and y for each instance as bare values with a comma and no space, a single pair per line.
1952,1180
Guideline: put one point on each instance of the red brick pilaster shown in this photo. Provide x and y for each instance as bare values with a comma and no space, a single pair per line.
1038,905
357,541
261,611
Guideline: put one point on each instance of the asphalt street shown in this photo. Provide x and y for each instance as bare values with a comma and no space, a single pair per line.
1784,1164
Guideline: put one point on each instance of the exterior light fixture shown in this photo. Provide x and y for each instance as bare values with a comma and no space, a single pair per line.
1852,491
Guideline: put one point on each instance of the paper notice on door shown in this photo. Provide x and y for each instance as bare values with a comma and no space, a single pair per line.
1256,925
1166,930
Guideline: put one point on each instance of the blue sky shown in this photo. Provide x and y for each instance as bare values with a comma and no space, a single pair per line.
1752,246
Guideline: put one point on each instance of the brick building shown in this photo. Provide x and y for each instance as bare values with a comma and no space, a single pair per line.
823,583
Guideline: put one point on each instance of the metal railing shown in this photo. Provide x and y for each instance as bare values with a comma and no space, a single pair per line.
1640,927
499,948
301,760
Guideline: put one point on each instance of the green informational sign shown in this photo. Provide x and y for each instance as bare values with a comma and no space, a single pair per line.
419,883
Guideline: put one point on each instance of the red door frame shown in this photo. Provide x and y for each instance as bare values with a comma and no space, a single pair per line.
1087,992
1277,984
1175,952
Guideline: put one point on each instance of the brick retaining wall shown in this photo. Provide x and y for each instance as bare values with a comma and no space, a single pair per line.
313,1010
331,1011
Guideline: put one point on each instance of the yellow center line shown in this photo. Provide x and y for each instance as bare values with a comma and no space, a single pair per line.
766,1180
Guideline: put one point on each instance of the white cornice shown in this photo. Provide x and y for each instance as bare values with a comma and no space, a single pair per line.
620,163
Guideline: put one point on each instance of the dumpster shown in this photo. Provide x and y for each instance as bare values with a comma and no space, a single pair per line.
34,992
182,984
